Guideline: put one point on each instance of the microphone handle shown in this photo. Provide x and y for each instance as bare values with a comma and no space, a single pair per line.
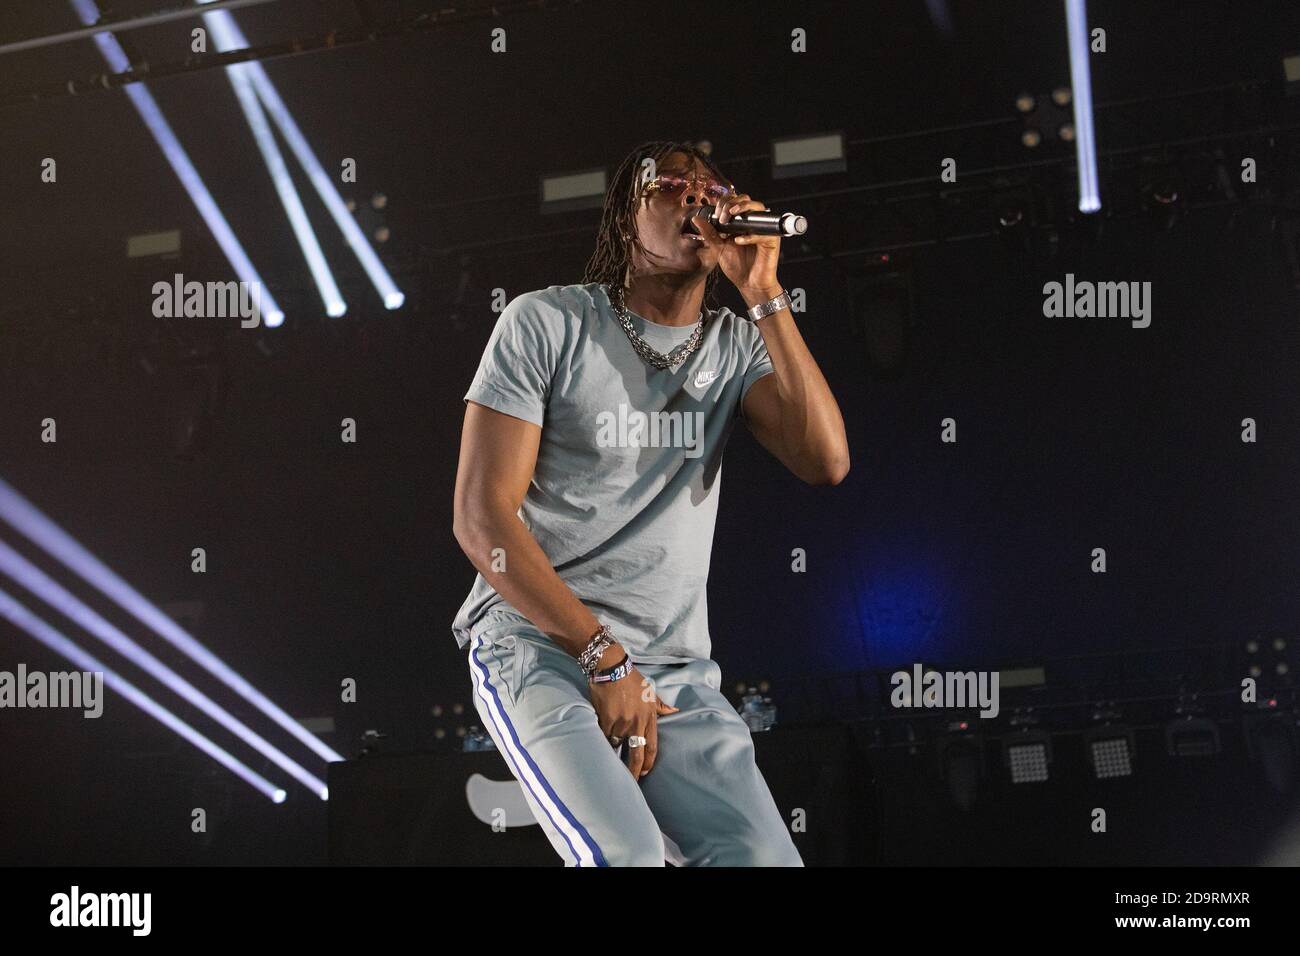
765,223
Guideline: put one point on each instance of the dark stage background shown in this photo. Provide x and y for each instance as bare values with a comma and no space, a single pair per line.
329,561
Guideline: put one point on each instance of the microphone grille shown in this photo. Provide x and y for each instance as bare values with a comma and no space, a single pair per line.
792,225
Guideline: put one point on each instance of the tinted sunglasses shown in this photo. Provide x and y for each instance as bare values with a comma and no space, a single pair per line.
672,186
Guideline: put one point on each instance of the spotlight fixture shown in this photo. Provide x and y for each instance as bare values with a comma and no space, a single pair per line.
1028,755
569,191
1013,218
1025,103
1268,660
1110,746
1162,198
1291,74
809,156
1192,737
162,244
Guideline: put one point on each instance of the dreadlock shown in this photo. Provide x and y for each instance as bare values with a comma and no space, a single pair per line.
613,255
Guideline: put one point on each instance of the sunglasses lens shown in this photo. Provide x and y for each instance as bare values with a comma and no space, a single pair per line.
672,186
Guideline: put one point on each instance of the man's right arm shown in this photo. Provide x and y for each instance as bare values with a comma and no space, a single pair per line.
498,454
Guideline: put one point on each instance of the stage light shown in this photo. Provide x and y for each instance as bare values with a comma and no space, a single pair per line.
1192,737
1028,756
27,519
1014,222
1162,197
1291,74
1025,103
392,297
1066,132
1110,751
378,201
25,620
284,187
1076,16
1268,660
1031,138
153,244
570,191
32,578
1061,96
162,133
809,155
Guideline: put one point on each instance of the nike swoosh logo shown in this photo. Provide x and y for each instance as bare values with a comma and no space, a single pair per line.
704,378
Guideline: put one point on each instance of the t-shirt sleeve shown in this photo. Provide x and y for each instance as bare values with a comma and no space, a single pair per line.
760,364
514,376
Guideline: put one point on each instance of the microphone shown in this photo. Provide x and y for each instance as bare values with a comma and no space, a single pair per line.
765,223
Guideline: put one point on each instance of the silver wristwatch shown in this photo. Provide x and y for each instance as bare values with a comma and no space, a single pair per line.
763,309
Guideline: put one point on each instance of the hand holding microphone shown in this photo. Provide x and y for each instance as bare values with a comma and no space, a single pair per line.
758,223
747,237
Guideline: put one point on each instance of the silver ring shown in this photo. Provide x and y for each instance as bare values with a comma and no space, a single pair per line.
614,741
636,741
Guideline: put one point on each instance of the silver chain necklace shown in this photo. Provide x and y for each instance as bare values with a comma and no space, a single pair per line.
657,359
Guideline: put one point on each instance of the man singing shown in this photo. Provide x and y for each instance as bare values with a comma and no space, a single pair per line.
586,495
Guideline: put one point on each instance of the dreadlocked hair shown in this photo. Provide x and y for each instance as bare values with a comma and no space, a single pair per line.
611,260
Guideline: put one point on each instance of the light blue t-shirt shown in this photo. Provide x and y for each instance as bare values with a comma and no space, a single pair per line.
625,493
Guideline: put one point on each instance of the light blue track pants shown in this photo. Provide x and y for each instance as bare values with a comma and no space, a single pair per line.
704,803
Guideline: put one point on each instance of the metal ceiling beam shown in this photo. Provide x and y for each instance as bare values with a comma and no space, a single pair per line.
332,40
118,26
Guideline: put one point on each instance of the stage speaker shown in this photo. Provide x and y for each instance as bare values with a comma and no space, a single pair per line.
415,810
823,787
437,809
